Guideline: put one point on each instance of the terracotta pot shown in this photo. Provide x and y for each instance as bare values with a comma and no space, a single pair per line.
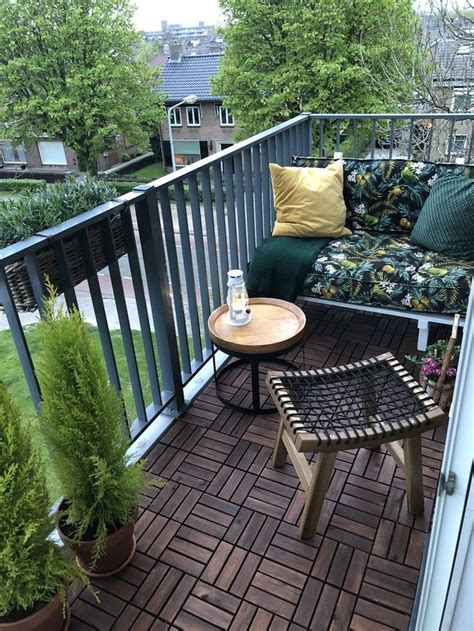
119,549
446,392
48,618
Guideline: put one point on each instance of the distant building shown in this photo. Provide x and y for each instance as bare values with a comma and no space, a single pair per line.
195,40
200,129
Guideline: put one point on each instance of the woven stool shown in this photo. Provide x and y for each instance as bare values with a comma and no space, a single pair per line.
364,404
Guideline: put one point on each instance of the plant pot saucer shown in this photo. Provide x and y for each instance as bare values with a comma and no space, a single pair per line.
111,572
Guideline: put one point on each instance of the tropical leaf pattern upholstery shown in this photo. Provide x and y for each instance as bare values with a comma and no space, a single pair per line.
387,270
385,195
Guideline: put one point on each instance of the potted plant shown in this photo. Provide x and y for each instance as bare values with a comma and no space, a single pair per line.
34,574
431,366
83,420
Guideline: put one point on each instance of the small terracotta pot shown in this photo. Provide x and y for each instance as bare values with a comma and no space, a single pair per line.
446,391
48,618
119,549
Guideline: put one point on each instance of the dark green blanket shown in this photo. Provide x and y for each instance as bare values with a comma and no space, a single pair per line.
280,265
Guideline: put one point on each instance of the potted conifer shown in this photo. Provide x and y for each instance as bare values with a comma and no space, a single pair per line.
82,416
34,574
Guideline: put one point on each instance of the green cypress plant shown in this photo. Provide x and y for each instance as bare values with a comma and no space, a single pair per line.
32,568
83,421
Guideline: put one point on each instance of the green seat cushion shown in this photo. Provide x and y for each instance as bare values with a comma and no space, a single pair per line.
387,270
446,221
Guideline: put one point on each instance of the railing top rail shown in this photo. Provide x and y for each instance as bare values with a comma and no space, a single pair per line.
446,116
12,253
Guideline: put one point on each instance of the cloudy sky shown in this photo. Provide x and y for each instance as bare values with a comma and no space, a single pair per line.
187,12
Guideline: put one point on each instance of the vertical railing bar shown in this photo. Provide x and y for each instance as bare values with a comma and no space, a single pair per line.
138,289
272,156
338,134
173,264
321,138
221,226
392,137
471,146
308,136
430,140
410,139
125,328
62,263
154,259
188,270
200,255
293,143
299,139
257,187
240,207
280,150
99,309
6,299
354,148
230,204
249,204
450,141
373,137
211,237
266,188
36,280
286,148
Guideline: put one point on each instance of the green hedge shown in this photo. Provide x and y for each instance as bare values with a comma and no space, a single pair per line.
22,184
23,217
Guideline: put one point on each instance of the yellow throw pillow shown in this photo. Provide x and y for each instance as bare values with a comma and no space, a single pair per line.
309,201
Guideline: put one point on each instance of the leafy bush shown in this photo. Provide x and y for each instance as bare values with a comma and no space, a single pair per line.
21,218
32,568
22,184
84,425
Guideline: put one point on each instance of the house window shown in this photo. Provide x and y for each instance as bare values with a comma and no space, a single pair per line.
458,144
175,117
227,120
12,153
186,152
52,153
462,100
193,114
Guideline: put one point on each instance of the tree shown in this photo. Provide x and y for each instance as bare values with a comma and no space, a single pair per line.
68,69
284,57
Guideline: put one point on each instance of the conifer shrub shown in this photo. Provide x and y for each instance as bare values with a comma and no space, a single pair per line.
32,568
83,421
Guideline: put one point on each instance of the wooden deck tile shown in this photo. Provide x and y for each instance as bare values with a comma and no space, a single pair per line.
218,546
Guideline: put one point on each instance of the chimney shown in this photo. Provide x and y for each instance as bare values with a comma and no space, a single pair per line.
176,50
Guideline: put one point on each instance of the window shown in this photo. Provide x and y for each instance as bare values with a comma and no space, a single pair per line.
12,153
52,153
193,114
175,117
462,100
227,120
186,152
458,145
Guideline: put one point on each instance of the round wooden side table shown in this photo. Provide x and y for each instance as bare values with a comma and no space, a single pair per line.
276,327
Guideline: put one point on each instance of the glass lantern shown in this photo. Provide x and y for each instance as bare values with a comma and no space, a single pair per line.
237,299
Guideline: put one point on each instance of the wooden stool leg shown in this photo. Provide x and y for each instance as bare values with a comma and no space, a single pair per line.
316,493
414,474
279,451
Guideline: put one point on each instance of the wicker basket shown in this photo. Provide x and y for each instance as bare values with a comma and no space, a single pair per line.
446,393
19,279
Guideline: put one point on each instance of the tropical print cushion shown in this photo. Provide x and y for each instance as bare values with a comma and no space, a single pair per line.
389,271
385,195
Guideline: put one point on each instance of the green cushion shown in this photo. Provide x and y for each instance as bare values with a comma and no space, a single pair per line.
446,221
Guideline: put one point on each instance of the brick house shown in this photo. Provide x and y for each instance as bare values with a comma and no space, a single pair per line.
200,129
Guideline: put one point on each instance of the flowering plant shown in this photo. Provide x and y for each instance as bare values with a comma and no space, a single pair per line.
432,362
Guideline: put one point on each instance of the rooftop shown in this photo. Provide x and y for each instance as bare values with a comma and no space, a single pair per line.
190,75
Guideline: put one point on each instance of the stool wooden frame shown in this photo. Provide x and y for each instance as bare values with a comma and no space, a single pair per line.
294,440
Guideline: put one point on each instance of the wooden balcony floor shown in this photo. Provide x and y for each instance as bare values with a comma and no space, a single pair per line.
218,547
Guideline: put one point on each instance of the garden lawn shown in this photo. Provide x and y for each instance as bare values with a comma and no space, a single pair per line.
148,173
11,374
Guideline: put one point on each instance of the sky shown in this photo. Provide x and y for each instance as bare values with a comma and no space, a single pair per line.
187,12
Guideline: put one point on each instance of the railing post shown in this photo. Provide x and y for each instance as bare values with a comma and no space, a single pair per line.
151,237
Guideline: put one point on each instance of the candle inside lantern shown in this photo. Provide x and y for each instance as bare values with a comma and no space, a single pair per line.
237,298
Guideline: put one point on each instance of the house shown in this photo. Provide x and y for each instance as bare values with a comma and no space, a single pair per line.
200,129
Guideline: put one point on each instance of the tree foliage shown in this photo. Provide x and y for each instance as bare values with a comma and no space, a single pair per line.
68,69
284,57
32,568
82,416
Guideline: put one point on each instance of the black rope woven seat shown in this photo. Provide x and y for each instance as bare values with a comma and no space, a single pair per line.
334,408
363,404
